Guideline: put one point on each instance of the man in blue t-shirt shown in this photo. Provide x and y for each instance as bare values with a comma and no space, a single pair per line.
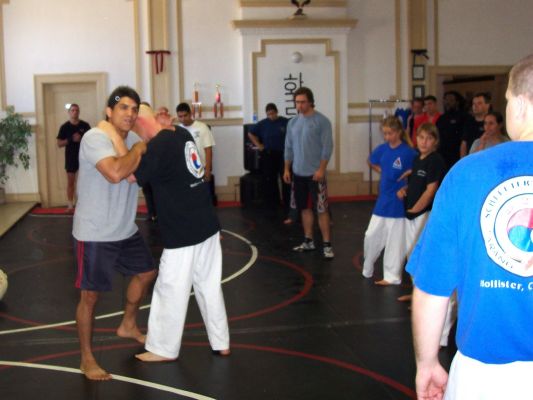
478,241
268,135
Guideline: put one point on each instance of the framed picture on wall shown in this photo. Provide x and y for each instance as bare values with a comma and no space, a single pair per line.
419,72
419,91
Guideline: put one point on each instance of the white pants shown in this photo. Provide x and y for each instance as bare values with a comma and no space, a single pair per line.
388,233
199,266
413,229
473,380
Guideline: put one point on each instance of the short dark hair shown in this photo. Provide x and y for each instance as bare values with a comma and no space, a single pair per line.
122,91
430,97
418,100
307,93
145,103
486,96
183,107
271,107
74,105
497,115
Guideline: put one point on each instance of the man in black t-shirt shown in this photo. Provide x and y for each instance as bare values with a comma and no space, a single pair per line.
450,126
69,137
189,226
474,125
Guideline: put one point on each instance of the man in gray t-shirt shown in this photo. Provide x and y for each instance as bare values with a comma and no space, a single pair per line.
308,148
105,235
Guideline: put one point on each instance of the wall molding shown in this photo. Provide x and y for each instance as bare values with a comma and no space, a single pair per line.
435,71
347,23
285,3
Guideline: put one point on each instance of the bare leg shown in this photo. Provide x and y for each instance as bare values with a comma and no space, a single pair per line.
324,224
136,291
307,222
71,187
84,319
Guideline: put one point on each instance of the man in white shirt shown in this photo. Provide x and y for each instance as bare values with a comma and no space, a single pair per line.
204,142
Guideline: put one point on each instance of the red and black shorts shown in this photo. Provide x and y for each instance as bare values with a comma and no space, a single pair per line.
96,261
310,194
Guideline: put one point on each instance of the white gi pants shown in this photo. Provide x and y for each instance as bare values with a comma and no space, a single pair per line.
388,233
471,379
413,229
199,266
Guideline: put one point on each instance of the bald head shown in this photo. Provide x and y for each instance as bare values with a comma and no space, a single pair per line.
146,125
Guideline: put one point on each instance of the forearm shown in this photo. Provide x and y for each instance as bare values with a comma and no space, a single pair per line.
374,167
208,159
323,166
114,169
463,151
428,317
425,199
288,164
254,140
62,142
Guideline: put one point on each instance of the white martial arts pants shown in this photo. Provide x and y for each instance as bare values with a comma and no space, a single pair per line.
473,380
413,229
179,269
388,233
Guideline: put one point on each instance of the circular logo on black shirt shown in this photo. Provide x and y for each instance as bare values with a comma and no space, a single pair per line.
192,158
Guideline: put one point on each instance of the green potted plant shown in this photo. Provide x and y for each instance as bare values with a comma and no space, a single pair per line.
15,132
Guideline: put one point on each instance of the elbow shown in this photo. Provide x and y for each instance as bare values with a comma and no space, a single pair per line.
113,177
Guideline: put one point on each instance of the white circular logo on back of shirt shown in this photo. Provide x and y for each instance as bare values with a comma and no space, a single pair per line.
507,225
194,163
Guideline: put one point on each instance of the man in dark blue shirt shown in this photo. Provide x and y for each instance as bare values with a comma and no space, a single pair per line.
269,137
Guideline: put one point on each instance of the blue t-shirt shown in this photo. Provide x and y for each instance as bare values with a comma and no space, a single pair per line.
271,133
478,240
393,163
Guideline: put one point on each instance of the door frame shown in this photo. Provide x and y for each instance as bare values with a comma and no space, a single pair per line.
40,82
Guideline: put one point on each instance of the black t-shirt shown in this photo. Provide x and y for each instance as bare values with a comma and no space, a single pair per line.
451,126
72,149
472,130
185,212
429,170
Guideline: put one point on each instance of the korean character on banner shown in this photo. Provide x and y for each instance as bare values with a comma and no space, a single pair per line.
291,84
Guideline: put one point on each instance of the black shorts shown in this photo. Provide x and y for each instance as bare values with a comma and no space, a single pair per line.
72,165
96,261
310,194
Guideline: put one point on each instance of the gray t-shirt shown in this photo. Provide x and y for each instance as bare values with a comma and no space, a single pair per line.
309,140
105,211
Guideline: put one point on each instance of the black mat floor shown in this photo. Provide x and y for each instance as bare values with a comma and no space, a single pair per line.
301,327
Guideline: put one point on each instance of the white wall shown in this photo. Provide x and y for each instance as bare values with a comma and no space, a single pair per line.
212,50
371,74
47,37
484,32
62,36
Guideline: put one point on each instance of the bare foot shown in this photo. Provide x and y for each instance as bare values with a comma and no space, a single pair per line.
133,333
405,297
151,357
223,353
92,371
382,282
288,221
